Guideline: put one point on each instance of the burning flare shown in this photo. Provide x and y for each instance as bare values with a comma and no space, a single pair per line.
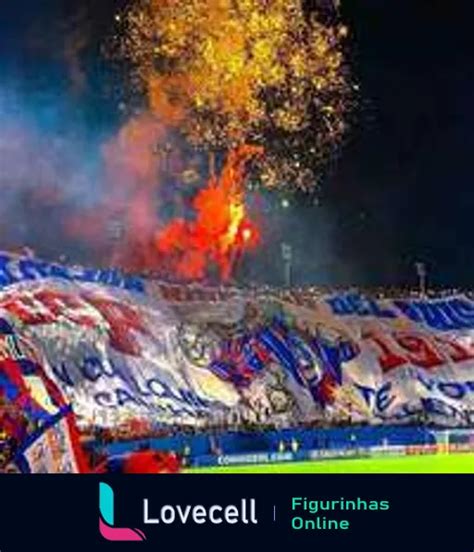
221,231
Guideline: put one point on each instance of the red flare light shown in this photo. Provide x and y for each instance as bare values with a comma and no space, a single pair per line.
221,231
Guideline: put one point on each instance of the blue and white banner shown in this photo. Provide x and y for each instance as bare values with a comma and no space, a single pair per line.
184,354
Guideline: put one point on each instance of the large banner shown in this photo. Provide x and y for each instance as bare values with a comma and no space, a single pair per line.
125,348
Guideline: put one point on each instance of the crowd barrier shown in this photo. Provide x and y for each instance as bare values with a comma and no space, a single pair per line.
292,445
241,442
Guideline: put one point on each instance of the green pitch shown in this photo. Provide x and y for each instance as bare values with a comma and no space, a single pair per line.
436,463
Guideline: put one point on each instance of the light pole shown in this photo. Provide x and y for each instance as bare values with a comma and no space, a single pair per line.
287,256
421,273
115,235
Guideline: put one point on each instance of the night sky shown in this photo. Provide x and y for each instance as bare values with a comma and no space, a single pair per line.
400,190
403,189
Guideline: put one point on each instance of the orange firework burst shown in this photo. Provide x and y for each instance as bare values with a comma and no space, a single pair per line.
229,72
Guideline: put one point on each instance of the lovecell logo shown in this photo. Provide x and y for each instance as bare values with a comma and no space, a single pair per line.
106,519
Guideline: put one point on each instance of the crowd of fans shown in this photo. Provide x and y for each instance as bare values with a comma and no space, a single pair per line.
296,294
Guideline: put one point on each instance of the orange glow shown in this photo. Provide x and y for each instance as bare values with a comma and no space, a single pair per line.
221,231
227,71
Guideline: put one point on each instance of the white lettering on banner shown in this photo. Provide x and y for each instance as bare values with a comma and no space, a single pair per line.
257,458
15,269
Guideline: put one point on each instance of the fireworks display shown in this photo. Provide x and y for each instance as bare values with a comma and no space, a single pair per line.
231,72
228,96
231,80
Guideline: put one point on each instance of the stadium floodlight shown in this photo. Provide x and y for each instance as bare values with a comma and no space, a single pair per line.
421,273
287,256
